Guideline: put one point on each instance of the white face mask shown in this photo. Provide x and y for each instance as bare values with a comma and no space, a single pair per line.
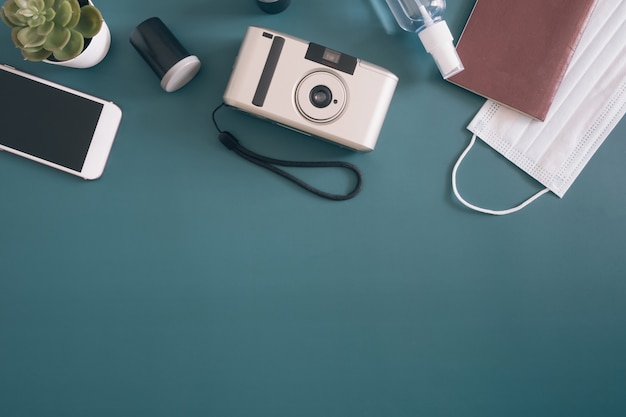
588,105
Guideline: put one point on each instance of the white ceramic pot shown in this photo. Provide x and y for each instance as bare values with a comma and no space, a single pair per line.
93,53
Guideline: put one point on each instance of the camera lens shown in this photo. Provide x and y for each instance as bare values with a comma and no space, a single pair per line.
320,96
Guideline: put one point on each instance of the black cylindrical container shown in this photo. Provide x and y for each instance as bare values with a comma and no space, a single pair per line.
169,60
273,6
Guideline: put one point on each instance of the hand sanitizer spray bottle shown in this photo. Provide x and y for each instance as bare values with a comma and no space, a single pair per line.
424,17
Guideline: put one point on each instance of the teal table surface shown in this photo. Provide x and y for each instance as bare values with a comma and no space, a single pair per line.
189,282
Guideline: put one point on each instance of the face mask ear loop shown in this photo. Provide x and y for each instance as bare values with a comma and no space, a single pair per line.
480,209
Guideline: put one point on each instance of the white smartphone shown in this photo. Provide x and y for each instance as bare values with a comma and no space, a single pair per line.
56,125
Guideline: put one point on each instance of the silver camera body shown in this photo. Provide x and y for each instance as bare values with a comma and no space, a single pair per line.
310,88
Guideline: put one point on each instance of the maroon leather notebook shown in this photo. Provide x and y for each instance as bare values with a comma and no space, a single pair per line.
516,52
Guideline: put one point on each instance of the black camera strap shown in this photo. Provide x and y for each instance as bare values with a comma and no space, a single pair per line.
228,140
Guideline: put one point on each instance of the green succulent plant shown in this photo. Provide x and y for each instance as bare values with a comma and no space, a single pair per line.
50,28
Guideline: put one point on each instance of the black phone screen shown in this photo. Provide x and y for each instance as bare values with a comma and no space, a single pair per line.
43,121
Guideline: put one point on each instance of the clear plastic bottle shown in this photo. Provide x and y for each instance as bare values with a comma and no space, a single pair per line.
409,16
424,17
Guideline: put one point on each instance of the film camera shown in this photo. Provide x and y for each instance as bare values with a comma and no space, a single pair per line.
310,88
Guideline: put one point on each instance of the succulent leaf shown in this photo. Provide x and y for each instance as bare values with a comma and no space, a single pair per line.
90,21
64,12
9,15
73,48
16,41
37,20
75,17
4,18
29,37
36,55
57,39
46,28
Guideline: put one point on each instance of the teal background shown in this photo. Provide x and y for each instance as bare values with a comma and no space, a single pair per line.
189,282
